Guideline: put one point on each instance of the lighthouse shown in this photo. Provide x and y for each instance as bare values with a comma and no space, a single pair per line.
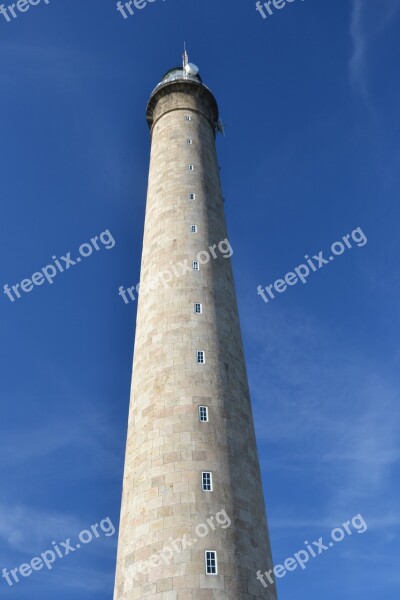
193,523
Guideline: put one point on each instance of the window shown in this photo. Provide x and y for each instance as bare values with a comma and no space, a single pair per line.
206,481
193,228
203,414
189,141
188,118
191,167
192,196
211,562
196,265
198,309
201,357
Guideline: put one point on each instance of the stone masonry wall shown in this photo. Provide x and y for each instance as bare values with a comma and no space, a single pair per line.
167,446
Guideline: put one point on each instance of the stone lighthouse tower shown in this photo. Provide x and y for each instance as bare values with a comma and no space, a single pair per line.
193,524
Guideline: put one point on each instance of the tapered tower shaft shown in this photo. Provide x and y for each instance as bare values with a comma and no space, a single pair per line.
190,423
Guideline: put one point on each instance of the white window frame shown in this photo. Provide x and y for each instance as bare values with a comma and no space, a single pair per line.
189,141
192,196
193,228
214,552
206,420
201,354
196,265
198,312
191,167
211,481
188,118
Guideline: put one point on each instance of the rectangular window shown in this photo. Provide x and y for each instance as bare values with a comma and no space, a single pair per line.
188,118
189,141
201,357
206,481
198,309
192,196
196,266
194,228
211,562
203,414
191,167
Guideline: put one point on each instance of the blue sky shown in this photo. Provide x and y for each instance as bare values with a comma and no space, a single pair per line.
309,98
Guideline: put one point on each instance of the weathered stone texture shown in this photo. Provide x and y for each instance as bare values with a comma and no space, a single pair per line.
167,446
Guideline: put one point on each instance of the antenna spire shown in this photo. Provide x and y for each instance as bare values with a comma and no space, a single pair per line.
185,56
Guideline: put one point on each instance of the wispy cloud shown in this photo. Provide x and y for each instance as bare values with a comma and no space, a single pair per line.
368,19
358,71
22,444
28,530
327,413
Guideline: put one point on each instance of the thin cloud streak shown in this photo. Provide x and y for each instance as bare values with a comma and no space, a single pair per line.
357,62
27,530
346,448
363,28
